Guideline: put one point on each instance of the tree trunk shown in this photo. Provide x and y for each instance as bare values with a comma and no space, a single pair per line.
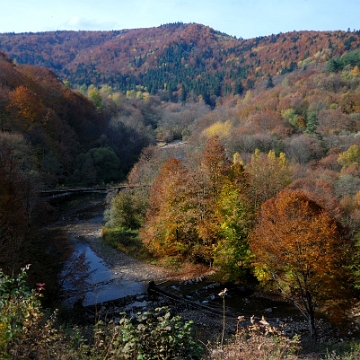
312,327
311,318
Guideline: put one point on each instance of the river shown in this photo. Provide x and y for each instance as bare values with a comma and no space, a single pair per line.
112,274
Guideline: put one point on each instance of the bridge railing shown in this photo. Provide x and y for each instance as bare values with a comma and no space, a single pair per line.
63,191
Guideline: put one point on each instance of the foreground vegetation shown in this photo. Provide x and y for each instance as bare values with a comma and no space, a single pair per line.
28,331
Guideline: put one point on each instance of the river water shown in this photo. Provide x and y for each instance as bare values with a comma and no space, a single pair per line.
104,283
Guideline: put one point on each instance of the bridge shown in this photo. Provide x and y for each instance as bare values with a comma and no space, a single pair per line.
49,194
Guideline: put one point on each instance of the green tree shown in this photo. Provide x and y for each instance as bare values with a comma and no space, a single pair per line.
97,166
231,253
95,97
238,88
269,83
291,117
311,123
128,209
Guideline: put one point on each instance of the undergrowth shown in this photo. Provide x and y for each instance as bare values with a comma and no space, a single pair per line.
29,332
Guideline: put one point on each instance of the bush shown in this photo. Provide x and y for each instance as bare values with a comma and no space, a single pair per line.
24,330
149,335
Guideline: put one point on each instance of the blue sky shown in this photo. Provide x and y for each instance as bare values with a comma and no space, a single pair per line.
239,18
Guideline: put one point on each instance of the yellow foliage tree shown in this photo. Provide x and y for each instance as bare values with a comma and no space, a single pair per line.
350,156
220,128
355,71
269,174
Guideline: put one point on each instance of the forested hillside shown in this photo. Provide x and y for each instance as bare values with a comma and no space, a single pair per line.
177,61
262,185
70,140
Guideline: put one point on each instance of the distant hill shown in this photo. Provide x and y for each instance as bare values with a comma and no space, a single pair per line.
175,59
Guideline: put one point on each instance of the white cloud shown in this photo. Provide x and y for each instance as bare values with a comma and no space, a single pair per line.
74,21
80,23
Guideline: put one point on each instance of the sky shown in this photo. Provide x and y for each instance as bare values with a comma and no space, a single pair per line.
241,18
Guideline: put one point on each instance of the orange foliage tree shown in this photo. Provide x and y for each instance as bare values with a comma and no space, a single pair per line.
210,177
27,106
168,227
301,249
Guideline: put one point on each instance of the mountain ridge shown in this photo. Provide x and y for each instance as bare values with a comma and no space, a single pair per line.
175,57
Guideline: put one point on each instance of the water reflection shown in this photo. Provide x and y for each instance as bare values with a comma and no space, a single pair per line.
102,283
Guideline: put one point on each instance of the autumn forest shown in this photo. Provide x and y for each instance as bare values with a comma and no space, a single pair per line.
240,155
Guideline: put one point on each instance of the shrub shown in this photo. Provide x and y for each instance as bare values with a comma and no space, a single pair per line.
149,335
24,330
26,333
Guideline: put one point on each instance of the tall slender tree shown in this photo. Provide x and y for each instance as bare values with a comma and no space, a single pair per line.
167,230
231,252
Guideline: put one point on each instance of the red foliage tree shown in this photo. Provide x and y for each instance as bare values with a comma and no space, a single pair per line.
301,248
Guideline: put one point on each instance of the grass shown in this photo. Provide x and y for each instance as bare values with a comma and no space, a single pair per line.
127,241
